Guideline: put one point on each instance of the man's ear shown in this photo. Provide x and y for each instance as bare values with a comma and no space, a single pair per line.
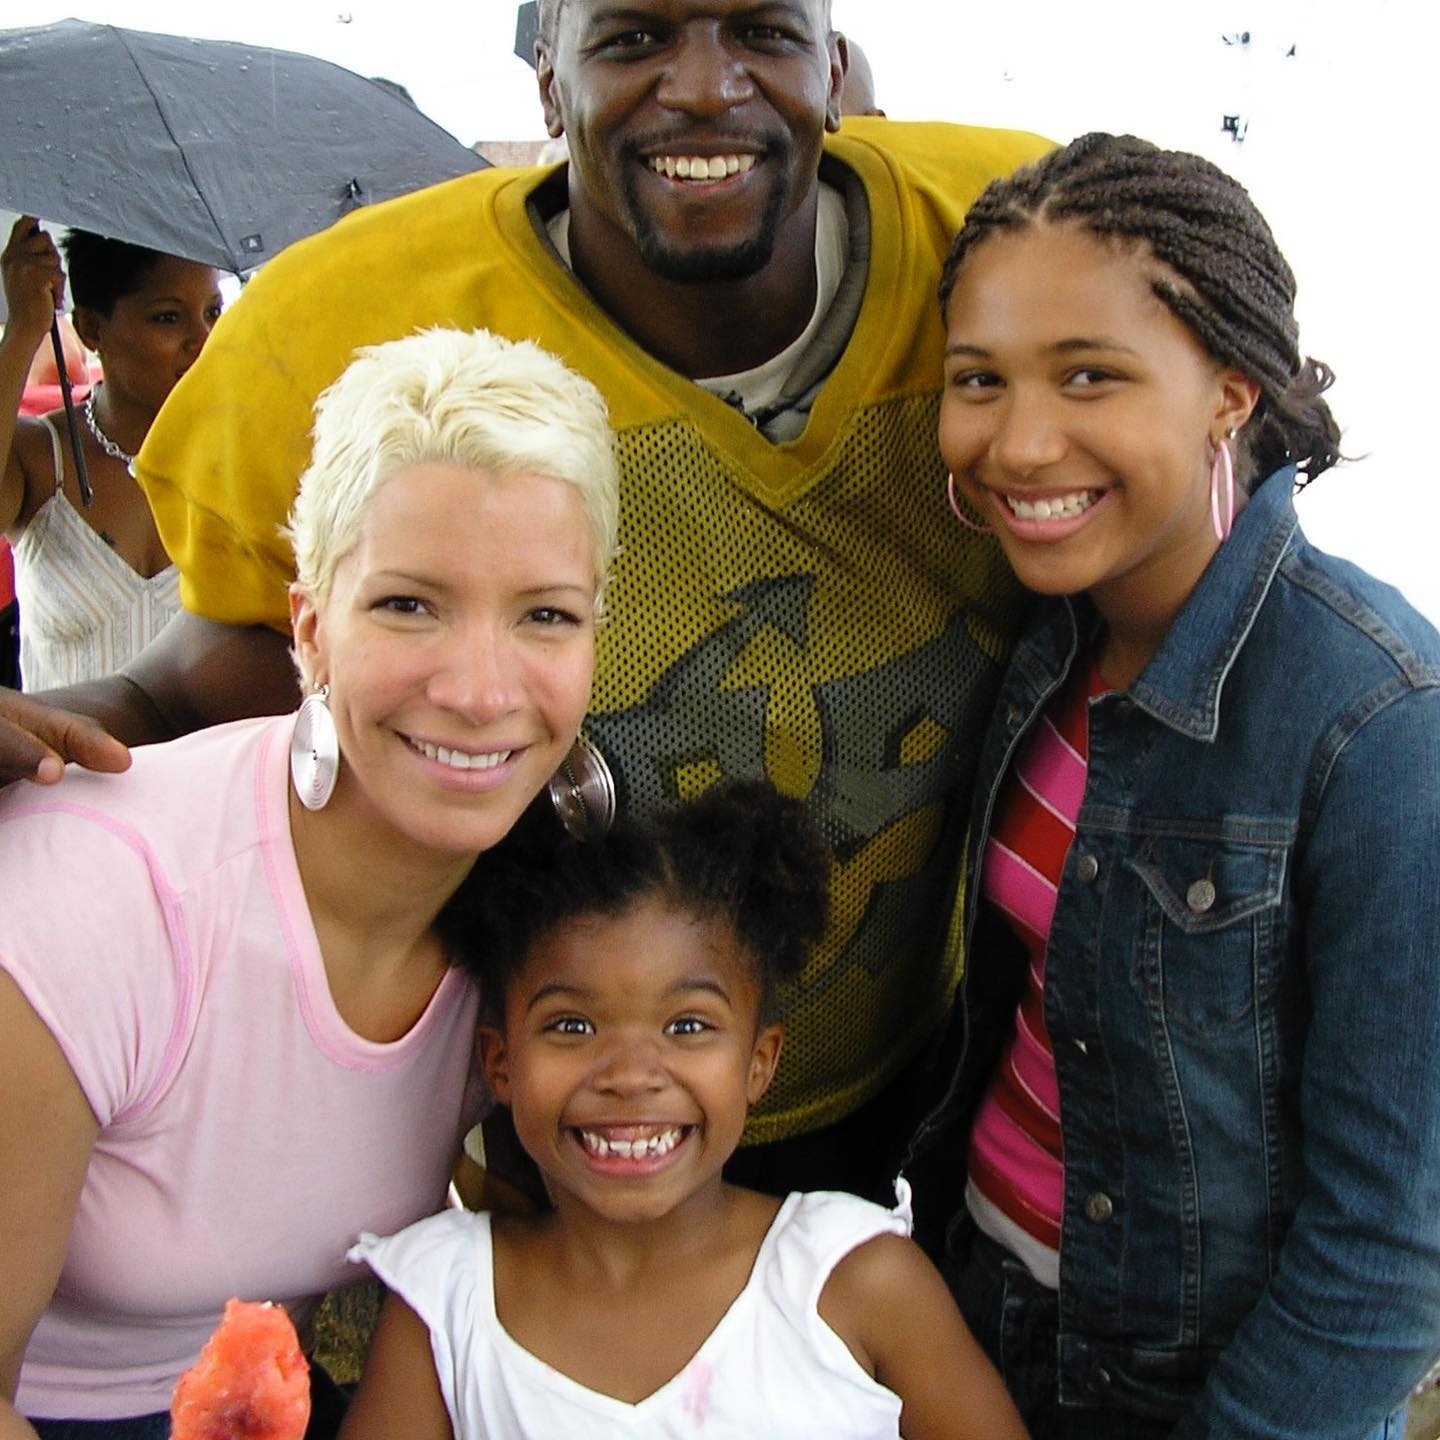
545,78
494,1060
763,1060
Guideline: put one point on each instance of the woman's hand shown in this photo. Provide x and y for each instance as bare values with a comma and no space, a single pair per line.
34,281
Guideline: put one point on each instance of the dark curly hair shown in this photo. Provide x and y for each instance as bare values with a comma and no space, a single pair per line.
741,853
102,271
1236,293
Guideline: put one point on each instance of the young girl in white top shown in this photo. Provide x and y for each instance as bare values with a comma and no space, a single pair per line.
633,988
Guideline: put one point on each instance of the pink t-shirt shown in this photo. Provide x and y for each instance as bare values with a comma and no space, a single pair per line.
156,922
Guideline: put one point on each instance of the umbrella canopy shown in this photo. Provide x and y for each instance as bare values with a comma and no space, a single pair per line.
527,31
207,149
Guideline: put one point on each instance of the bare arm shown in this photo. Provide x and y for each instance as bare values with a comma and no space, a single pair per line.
47,1131
890,1306
194,673
34,284
399,1393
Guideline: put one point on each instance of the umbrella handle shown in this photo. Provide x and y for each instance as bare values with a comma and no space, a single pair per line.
81,478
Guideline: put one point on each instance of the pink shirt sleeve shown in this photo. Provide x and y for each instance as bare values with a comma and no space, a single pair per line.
103,959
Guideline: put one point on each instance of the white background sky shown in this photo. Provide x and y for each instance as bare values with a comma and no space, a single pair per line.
1339,153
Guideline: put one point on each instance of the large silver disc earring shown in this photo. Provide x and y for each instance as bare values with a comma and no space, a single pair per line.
582,791
315,751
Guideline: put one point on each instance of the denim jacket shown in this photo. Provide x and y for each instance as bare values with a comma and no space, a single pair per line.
1243,995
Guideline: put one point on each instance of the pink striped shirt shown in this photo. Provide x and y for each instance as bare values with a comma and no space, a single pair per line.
1015,1161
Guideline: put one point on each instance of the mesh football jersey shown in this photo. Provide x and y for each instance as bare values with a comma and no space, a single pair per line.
805,610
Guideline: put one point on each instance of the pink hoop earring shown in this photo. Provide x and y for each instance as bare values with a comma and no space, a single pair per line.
960,515
1222,478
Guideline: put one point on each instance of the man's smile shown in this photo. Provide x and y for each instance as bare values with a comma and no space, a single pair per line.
701,167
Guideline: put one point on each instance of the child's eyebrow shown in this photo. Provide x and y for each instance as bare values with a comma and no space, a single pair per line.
684,986
557,991
687,984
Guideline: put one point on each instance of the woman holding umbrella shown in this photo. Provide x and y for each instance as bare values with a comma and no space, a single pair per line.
232,1036
94,582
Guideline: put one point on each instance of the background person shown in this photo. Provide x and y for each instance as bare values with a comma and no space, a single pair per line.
1204,1168
631,989
43,391
857,96
233,1012
93,581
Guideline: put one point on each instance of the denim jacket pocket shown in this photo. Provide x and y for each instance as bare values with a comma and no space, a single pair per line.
1207,948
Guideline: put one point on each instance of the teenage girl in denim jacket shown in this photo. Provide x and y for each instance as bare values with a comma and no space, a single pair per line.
1198,1094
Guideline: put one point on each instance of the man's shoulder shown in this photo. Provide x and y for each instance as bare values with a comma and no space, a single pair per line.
944,161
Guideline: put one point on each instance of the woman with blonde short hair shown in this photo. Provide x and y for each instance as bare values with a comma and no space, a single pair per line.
221,982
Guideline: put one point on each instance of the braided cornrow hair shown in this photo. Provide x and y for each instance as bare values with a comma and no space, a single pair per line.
1236,292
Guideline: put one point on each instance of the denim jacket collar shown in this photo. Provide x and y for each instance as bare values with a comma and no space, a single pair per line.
1183,682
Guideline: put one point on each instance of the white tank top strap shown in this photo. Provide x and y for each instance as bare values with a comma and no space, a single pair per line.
57,453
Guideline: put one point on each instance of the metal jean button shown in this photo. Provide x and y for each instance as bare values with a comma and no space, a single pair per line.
1087,867
1099,1207
1200,896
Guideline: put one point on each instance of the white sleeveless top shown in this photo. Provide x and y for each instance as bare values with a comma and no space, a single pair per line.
771,1366
83,611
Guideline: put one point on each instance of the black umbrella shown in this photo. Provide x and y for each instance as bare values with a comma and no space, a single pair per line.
208,149
527,31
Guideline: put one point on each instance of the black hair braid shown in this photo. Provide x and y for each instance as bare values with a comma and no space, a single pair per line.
741,853
1228,282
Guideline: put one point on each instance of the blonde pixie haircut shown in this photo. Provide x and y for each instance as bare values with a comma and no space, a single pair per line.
466,398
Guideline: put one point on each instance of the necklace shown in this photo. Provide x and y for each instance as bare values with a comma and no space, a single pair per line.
101,438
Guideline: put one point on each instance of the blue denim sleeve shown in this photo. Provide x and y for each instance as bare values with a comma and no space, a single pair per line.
1351,1317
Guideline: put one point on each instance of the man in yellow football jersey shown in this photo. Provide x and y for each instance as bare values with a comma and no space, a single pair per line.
753,288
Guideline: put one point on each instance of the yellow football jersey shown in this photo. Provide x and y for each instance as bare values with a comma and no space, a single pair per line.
806,610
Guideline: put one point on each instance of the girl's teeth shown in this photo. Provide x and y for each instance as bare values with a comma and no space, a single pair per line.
460,759
644,1149
1059,507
